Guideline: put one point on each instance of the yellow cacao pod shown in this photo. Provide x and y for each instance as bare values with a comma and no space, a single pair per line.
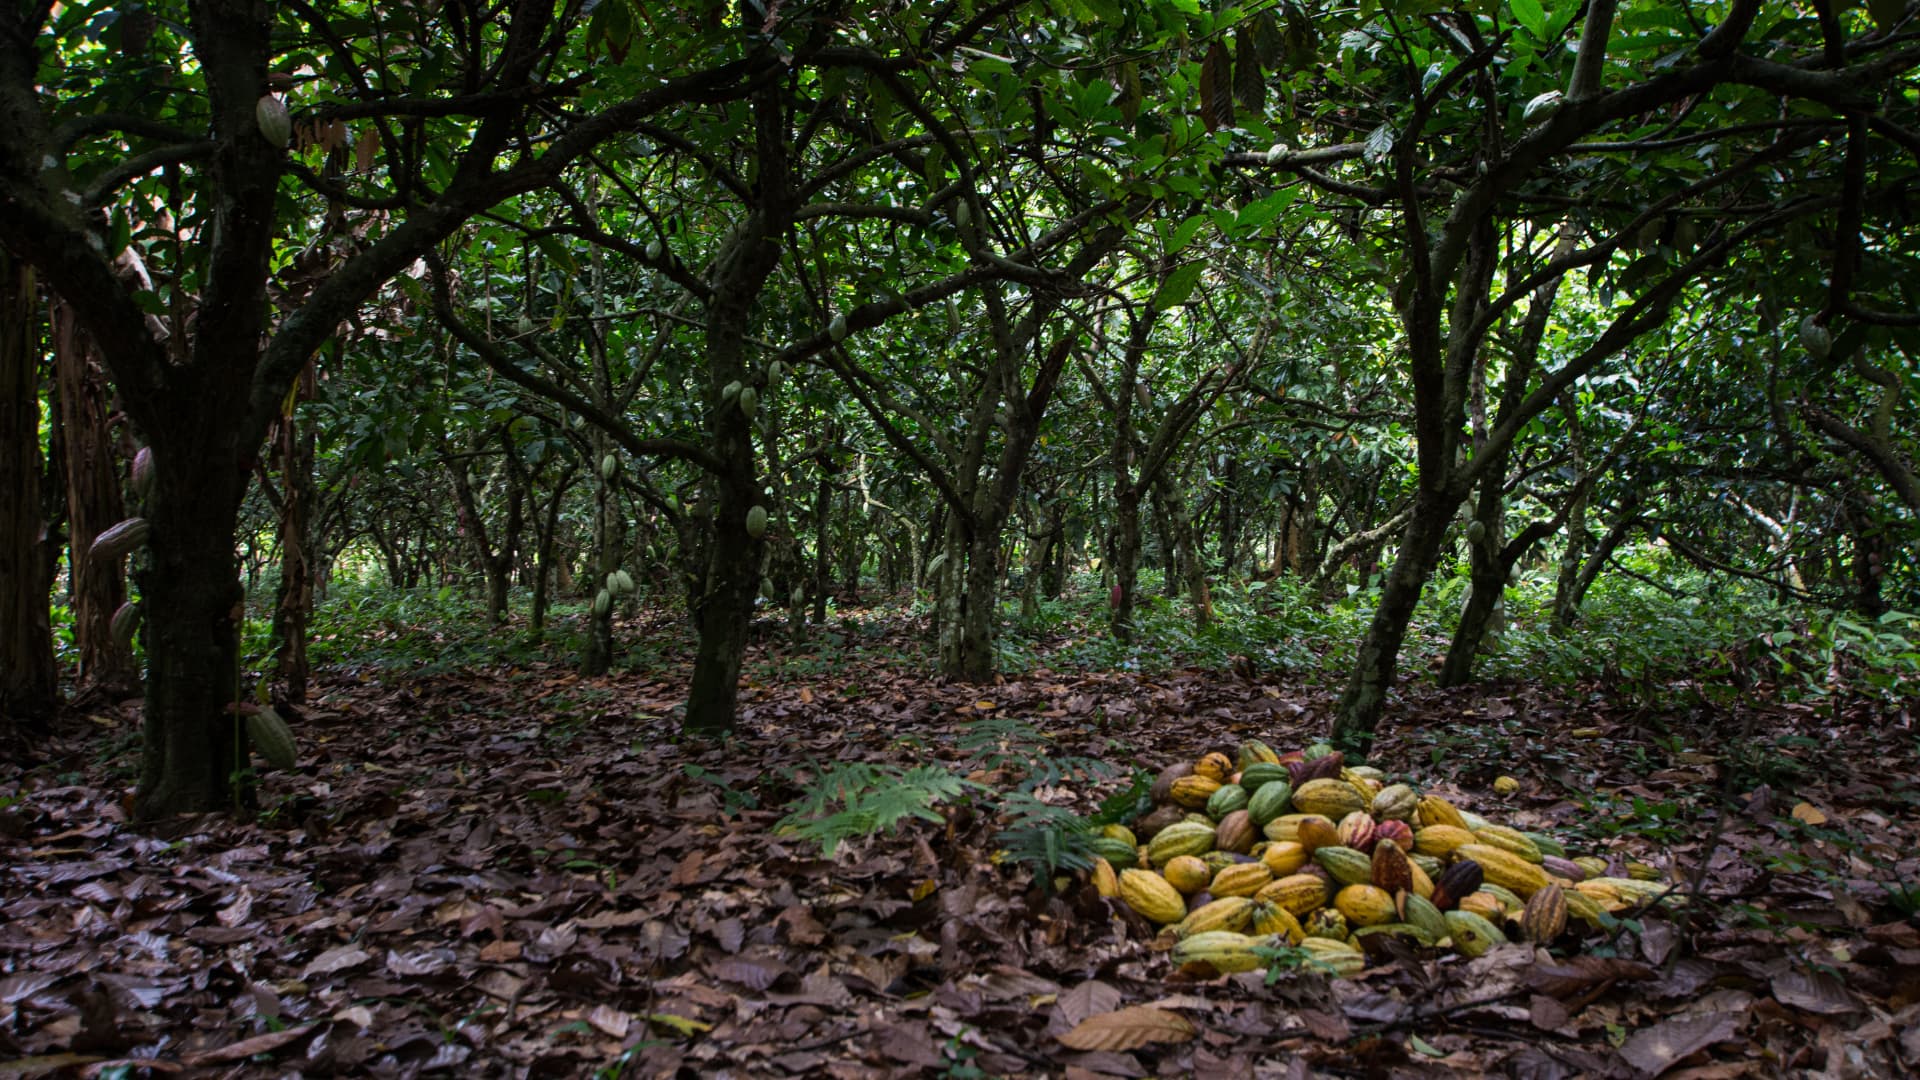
1227,913
1365,905
1298,893
1241,879
1187,874
1215,766
1504,868
1509,840
1440,840
1484,904
1332,799
1395,803
1471,934
1105,881
1271,918
1284,857
1193,791
1225,950
1434,810
1149,894
1337,957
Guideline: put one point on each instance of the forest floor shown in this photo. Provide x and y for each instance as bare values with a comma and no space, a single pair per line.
513,871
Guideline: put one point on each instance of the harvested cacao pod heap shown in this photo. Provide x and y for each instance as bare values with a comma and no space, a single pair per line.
1265,849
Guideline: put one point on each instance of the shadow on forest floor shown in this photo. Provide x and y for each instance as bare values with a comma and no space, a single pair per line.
515,871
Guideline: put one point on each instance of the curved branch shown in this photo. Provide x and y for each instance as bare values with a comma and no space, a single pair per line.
133,168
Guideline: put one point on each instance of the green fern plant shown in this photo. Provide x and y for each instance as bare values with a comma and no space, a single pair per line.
855,800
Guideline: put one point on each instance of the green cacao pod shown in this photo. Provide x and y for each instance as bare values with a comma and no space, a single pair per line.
1396,802
1259,775
837,328
1184,838
272,737
1471,934
1118,852
1347,866
126,620
1225,801
1420,911
756,521
749,401
1269,801
1336,957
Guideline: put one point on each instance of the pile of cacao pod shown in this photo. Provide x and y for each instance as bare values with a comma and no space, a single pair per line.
1299,849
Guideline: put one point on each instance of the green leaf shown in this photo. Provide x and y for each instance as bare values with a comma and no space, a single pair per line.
1532,17
1178,286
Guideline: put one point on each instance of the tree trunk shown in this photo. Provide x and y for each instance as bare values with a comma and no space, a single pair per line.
739,273
193,605
1487,577
293,601
94,504
29,686
596,654
1125,538
546,534
1365,698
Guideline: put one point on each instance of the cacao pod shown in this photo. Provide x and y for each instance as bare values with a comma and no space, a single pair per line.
1558,867
1269,801
1316,832
1338,958
1399,832
1149,825
1235,833
143,472
1117,852
126,620
1327,923
1261,773
1284,857
1105,881
609,465
114,544
1332,799
1297,893
1511,840
1241,880
1365,905
1509,900
1187,874
1420,911
1434,810
1233,913
1149,894
1391,870
1440,841
1504,868
756,521
1119,832
1184,838
730,392
1271,918
1214,766
270,116
1545,916
837,328
1225,801
1254,752
1356,831
1218,860
602,602
1547,844
1163,784
1584,907
655,250
1395,803
1398,929
272,737
1455,883
1471,934
1484,904
749,401
1593,865
1193,791
1223,950
1348,867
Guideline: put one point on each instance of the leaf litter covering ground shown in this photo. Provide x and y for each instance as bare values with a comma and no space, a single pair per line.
515,872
